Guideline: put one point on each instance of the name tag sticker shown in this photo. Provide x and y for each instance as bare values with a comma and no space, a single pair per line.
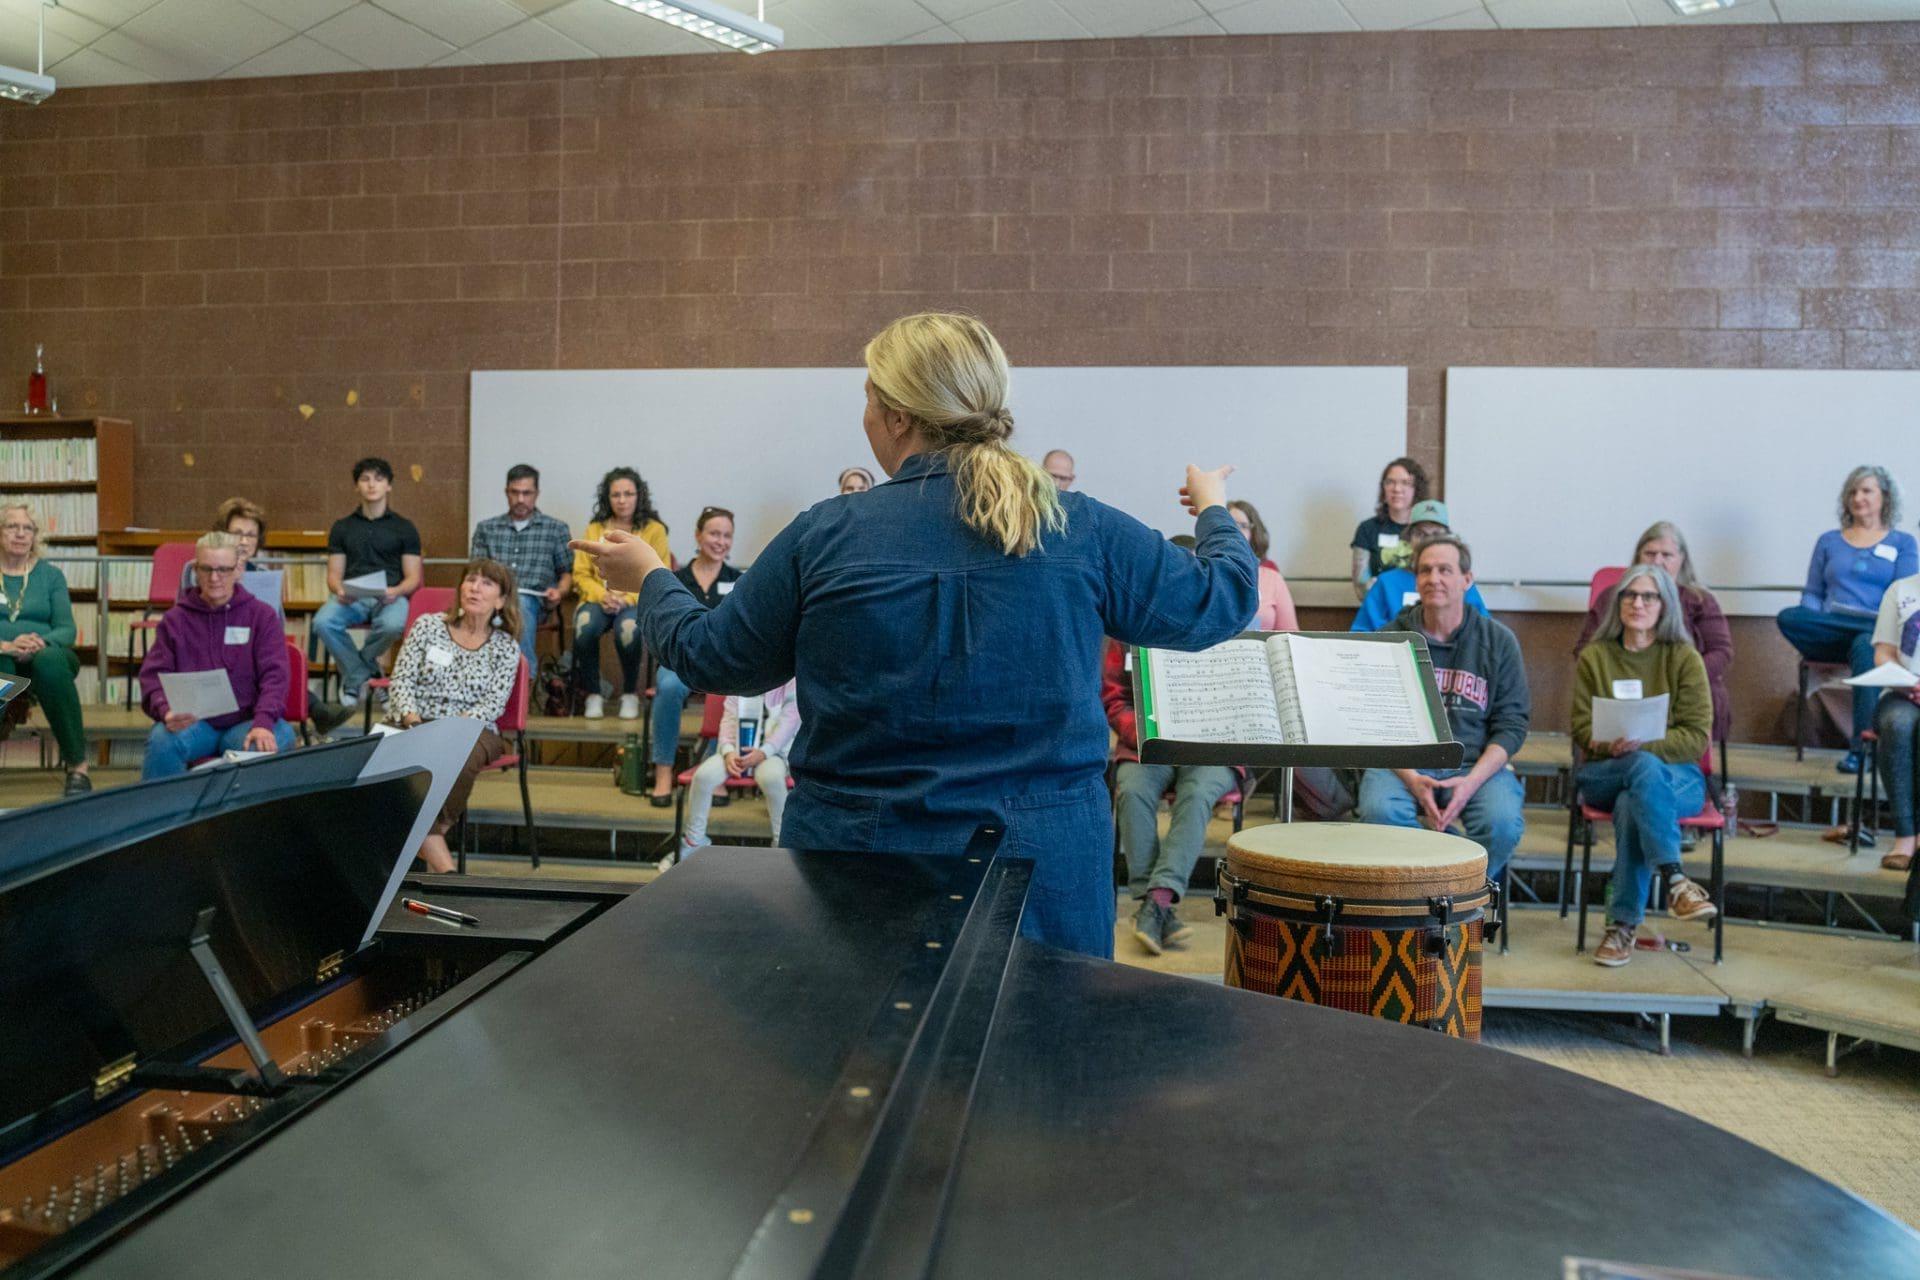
439,656
1126,662
723,588
1409,598
1627,689
1886,552
239,635
1389,539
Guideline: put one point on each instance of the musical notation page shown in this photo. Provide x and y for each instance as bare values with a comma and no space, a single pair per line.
1360,693
1222,694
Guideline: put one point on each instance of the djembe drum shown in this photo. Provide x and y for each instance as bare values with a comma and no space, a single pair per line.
1384,921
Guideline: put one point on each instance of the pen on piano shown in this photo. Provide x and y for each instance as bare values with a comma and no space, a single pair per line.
444,913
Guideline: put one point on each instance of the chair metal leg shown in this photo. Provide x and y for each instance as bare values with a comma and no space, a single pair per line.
1239,812
1506,907
1586,866
460,843
1566,868
680,815
1800,716
1719,893
526,813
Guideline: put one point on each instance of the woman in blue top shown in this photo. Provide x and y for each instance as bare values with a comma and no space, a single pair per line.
1852,568
945,629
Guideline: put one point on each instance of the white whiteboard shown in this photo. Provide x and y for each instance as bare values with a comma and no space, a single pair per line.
1552,473
768,443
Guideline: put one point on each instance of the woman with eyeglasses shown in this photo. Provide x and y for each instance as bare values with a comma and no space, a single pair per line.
37,636
1276,611
1642,651
1663,544
247,522
1380,541
1851,569
945,631
709,579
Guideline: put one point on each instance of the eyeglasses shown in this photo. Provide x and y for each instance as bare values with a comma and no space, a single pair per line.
18,527
1641,597
216,570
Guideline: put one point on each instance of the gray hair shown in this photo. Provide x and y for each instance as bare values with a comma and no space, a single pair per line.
1672,627
217,540
1669,530
1453,540
1889,495
39,537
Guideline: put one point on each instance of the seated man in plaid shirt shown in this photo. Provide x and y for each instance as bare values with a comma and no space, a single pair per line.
534,545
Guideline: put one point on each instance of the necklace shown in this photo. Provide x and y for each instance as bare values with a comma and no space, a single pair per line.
15,599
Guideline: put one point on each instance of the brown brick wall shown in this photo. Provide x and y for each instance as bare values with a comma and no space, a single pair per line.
204,258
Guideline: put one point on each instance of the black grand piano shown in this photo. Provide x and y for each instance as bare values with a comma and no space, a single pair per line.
765,1064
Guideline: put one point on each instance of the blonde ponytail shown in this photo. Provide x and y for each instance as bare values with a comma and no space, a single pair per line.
948,373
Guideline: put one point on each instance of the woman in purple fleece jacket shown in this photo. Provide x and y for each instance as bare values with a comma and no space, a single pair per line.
219,627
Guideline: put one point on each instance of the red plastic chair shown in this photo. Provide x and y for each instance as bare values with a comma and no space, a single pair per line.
423,601
299,707
170,559
1584,817
512,725
716,708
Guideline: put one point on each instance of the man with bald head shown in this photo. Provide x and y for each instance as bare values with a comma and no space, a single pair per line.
1059,464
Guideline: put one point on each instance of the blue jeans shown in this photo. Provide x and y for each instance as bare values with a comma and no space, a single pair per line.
1836,637
1897,721
1153,863
590,622
1491,819
669,700
1647,797
387,623
169,754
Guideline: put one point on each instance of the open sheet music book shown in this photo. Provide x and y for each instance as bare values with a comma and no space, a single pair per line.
1289,690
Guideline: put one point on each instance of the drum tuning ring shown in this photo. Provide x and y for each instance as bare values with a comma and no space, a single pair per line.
1329,907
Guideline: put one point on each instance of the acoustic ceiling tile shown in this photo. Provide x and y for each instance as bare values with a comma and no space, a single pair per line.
20,33
1848,10
615,32
1205,25
1658,13
948,10
852,23
298,14
458,22
297,57
1110,19
531,41
1474,19
192,39
1561,13
1267,17
1021,20
1395,15
375,38
940,34
88,67
458,58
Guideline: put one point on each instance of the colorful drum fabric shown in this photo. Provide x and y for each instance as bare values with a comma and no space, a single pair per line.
1384,921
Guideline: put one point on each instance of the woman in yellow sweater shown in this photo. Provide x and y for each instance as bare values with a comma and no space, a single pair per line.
1642,651
621,502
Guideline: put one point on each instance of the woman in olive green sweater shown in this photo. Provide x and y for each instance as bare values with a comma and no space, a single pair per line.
36,637
1642,651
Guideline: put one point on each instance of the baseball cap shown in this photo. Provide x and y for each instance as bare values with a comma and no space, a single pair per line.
1432,511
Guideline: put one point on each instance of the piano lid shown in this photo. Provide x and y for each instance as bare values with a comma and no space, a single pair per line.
294,854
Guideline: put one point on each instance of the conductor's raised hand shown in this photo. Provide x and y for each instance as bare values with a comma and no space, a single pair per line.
1205,489
624,560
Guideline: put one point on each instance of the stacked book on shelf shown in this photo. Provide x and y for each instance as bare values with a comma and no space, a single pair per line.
61,515
80,565
48,461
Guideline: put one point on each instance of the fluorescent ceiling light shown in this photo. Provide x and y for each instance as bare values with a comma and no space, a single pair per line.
1694,8
31,87
712,22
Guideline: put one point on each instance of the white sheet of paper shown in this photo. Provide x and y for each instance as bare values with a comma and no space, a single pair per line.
1888,675
1222,694
1360,693
367,585
1636,719
201,694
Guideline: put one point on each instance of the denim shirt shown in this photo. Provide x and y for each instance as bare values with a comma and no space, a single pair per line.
943,683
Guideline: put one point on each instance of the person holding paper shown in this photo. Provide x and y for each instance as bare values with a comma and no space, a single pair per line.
945,630
709,578
1896,639
1157,869
37,635
1642,651
1851,569
1276,602
1483,685
771,723
373,565
1380,540
534,545
1394,590
461,663
622,502
1663,544
217,627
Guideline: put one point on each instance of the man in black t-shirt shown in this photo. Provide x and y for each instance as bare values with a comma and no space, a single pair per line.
373,565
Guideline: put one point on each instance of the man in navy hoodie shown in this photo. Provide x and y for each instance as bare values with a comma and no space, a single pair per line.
218,627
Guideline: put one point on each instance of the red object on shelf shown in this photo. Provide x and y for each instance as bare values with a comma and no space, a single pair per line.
37,382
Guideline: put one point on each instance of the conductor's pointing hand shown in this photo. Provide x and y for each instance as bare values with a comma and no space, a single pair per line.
1205,489
623,560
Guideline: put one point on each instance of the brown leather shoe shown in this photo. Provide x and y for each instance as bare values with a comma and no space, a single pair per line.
1896,861
1616,948
1688,901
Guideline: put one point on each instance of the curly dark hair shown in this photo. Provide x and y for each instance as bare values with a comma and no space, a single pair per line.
1420,484
642,511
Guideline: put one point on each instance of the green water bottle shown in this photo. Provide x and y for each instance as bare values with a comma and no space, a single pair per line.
631,767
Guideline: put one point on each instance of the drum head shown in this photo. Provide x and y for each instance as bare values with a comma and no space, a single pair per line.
1357,859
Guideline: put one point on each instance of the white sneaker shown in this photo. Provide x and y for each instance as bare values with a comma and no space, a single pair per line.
666,862
596,706
629,706
349,699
